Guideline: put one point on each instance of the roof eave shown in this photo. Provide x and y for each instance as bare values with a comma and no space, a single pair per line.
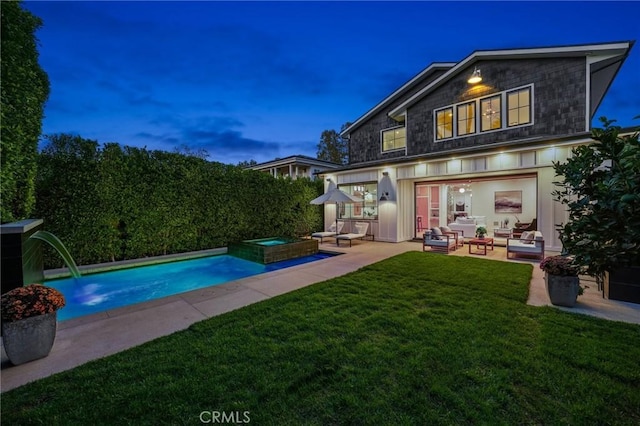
616,48
422,74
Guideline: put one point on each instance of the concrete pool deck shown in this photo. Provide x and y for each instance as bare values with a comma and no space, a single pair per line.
81,340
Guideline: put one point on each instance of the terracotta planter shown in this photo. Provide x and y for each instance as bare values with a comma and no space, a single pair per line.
30,338
562,290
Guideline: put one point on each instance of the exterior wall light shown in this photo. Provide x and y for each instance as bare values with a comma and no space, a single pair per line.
476,77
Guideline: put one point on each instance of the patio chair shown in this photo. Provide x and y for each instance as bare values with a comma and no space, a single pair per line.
330,233
360,234
439,243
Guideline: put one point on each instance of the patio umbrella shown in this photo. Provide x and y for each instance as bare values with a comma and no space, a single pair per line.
336,195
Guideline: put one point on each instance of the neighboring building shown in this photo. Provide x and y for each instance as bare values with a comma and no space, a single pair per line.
295,166
442,146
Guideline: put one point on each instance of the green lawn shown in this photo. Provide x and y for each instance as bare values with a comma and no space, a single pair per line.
418,339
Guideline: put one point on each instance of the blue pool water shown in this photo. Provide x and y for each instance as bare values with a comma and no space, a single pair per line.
271,242
100,292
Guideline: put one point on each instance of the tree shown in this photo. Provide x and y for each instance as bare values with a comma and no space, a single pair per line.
333,147
24,91
247,164
601,189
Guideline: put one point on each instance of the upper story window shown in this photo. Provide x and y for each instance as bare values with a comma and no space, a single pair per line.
491,113
499,111
466,114
444,123
395,138
519,107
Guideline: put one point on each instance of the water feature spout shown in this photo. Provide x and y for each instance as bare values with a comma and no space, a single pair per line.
55,242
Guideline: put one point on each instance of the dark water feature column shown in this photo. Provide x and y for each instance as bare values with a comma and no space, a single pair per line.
22,261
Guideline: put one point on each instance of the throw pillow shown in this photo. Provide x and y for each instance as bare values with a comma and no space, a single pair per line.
529,239
436,234
524,236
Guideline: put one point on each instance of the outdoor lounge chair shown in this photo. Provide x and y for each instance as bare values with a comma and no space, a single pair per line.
330,233
361,233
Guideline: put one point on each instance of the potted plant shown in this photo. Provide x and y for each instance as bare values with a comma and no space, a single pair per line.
562,281
481,231
599,185
29,320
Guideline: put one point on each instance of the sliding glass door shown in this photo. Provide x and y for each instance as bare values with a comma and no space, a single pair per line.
427,207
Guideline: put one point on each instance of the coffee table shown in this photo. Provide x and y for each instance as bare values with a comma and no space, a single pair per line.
480,242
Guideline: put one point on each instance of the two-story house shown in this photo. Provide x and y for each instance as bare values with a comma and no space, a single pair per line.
475,139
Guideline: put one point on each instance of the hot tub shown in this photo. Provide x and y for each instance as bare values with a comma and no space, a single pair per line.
274,249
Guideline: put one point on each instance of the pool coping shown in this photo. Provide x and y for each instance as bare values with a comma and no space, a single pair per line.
52,274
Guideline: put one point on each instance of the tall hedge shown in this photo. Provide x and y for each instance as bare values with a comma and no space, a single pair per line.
24,90
111,203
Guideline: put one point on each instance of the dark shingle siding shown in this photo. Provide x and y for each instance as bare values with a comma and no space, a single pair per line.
559,106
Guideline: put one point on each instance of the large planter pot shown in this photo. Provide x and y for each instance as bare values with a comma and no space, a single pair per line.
562,290
30,338
623,284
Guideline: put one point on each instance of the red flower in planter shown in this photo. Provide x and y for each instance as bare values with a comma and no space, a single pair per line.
559,265
30,301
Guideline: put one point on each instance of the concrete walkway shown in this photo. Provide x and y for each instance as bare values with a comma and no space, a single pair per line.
87,338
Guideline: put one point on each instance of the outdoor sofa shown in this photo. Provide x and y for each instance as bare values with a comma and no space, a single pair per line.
530,243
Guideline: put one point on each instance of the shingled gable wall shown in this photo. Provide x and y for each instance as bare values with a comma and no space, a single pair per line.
365,144
559,107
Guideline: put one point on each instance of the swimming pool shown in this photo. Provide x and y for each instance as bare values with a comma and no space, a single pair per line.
100,292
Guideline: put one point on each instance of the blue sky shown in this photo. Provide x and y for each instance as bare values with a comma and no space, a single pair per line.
261,80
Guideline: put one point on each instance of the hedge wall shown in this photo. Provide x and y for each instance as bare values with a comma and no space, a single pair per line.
112,203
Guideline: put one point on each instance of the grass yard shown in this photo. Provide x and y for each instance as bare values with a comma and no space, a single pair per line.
417,339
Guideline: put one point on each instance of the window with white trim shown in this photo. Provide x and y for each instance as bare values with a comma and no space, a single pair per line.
466,114
491,113
519,107
367,208
395,138
444,123
499,111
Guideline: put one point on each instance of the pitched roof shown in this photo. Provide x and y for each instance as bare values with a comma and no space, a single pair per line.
600,56
292,159
422,75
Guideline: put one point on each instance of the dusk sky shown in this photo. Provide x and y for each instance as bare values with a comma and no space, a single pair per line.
261,80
